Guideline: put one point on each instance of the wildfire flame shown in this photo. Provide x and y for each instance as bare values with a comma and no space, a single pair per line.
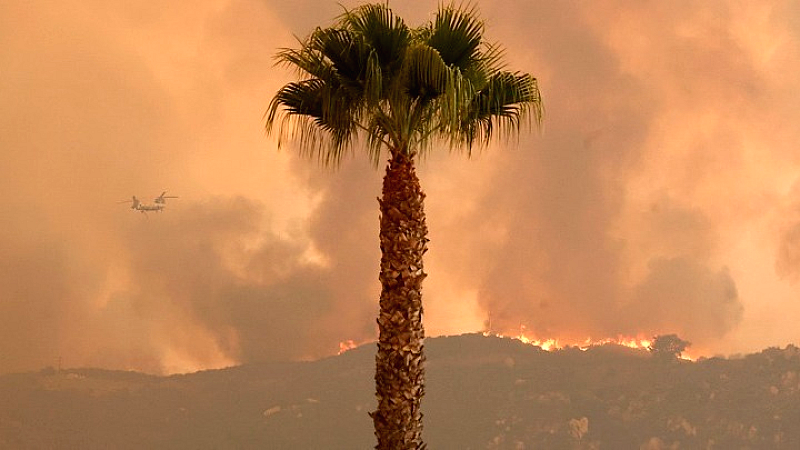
639,342
553,344
346,345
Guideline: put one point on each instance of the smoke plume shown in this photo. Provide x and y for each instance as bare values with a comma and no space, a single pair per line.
659,197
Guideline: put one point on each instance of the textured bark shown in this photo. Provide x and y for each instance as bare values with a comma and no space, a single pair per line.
399,371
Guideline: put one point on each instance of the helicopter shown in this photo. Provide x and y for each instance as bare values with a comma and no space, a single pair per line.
158,205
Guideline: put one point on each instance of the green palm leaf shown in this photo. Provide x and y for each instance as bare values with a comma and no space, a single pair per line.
386,35
457,35
505,101
369,73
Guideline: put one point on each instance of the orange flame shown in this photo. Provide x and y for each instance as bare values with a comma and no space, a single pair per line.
639,342
551,344
346,345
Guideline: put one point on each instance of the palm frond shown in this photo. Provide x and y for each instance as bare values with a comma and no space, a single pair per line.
488,61
507,101
379,135
456,33
306,62
347,53
426,73
369,73
385,34
318,115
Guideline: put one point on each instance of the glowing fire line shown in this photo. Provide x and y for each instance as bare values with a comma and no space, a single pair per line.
346,345
638,343
553,344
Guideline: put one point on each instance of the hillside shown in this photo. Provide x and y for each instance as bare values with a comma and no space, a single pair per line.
482,393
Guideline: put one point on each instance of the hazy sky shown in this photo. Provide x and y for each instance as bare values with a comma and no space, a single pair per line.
662,196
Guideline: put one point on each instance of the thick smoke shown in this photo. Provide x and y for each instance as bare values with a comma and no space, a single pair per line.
657,199
787,263
212,264
650,177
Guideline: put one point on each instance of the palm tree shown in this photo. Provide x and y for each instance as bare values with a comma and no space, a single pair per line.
371,77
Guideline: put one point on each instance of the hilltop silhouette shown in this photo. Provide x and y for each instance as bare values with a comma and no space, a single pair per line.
482,392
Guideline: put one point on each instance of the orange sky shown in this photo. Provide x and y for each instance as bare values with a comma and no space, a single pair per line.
661,197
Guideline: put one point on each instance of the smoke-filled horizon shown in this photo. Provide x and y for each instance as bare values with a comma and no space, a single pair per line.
661,196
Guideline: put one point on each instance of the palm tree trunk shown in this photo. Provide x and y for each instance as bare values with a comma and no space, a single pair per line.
399,371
